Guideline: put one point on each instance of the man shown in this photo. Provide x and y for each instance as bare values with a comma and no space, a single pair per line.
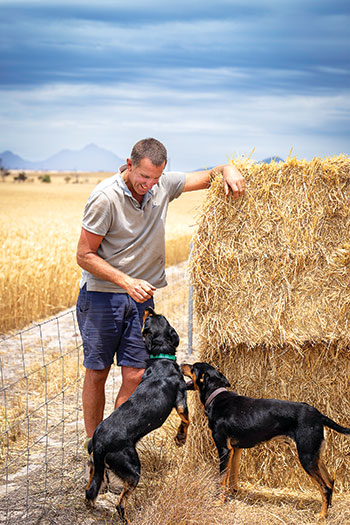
122,253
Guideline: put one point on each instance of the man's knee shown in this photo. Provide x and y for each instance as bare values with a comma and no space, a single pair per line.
96,378
132,376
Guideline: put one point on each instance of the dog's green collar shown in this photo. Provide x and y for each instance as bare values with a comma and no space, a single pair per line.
163,356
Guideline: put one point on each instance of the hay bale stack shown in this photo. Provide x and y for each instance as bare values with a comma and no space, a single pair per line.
271,277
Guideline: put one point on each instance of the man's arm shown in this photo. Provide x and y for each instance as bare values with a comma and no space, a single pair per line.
232,180
88,259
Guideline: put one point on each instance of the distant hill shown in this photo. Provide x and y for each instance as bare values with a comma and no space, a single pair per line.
270,159
90,158
9,160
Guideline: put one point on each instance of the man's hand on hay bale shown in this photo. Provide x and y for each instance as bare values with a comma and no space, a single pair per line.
233,180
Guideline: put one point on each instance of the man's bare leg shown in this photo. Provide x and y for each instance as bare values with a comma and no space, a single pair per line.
94,398
131,377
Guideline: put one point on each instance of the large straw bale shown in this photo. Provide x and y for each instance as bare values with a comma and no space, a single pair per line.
274,267
271,278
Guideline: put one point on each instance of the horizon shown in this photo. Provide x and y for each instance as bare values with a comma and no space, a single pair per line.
211,82
93,146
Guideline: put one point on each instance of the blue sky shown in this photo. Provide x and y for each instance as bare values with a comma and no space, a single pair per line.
212,80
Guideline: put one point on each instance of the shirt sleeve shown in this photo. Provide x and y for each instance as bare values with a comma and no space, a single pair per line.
174,181
97,214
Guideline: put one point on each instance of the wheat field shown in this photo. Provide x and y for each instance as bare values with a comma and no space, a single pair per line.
40,226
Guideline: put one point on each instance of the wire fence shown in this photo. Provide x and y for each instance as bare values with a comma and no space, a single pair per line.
42,460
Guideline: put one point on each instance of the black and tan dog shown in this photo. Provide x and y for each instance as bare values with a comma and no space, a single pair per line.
239,422
162,388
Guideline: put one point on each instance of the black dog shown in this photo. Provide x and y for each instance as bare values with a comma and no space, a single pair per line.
162,388
239,422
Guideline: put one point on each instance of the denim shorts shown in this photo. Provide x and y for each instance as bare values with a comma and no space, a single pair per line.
110,324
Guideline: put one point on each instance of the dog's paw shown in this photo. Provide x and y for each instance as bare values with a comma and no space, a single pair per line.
180,439
90,503
121,512
221,498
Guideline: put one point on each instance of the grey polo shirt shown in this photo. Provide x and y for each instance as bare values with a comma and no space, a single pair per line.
133,234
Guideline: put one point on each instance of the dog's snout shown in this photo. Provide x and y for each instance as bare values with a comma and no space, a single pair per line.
186,369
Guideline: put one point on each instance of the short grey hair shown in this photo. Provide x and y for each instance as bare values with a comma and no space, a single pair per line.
151,149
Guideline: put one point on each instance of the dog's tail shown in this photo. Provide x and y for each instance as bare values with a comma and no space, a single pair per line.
327,422
95,484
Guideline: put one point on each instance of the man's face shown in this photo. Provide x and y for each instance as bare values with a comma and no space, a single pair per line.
142,177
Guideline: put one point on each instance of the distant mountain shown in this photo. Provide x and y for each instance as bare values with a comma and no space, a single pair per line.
90,158
9,159
266,161
270,159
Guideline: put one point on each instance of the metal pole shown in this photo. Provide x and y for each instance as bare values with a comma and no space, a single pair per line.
190,310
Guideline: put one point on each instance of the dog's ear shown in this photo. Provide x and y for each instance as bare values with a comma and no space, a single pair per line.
224,379
175,340
214,373
147,339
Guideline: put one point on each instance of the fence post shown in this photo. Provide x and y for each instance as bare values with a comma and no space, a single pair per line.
190,309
